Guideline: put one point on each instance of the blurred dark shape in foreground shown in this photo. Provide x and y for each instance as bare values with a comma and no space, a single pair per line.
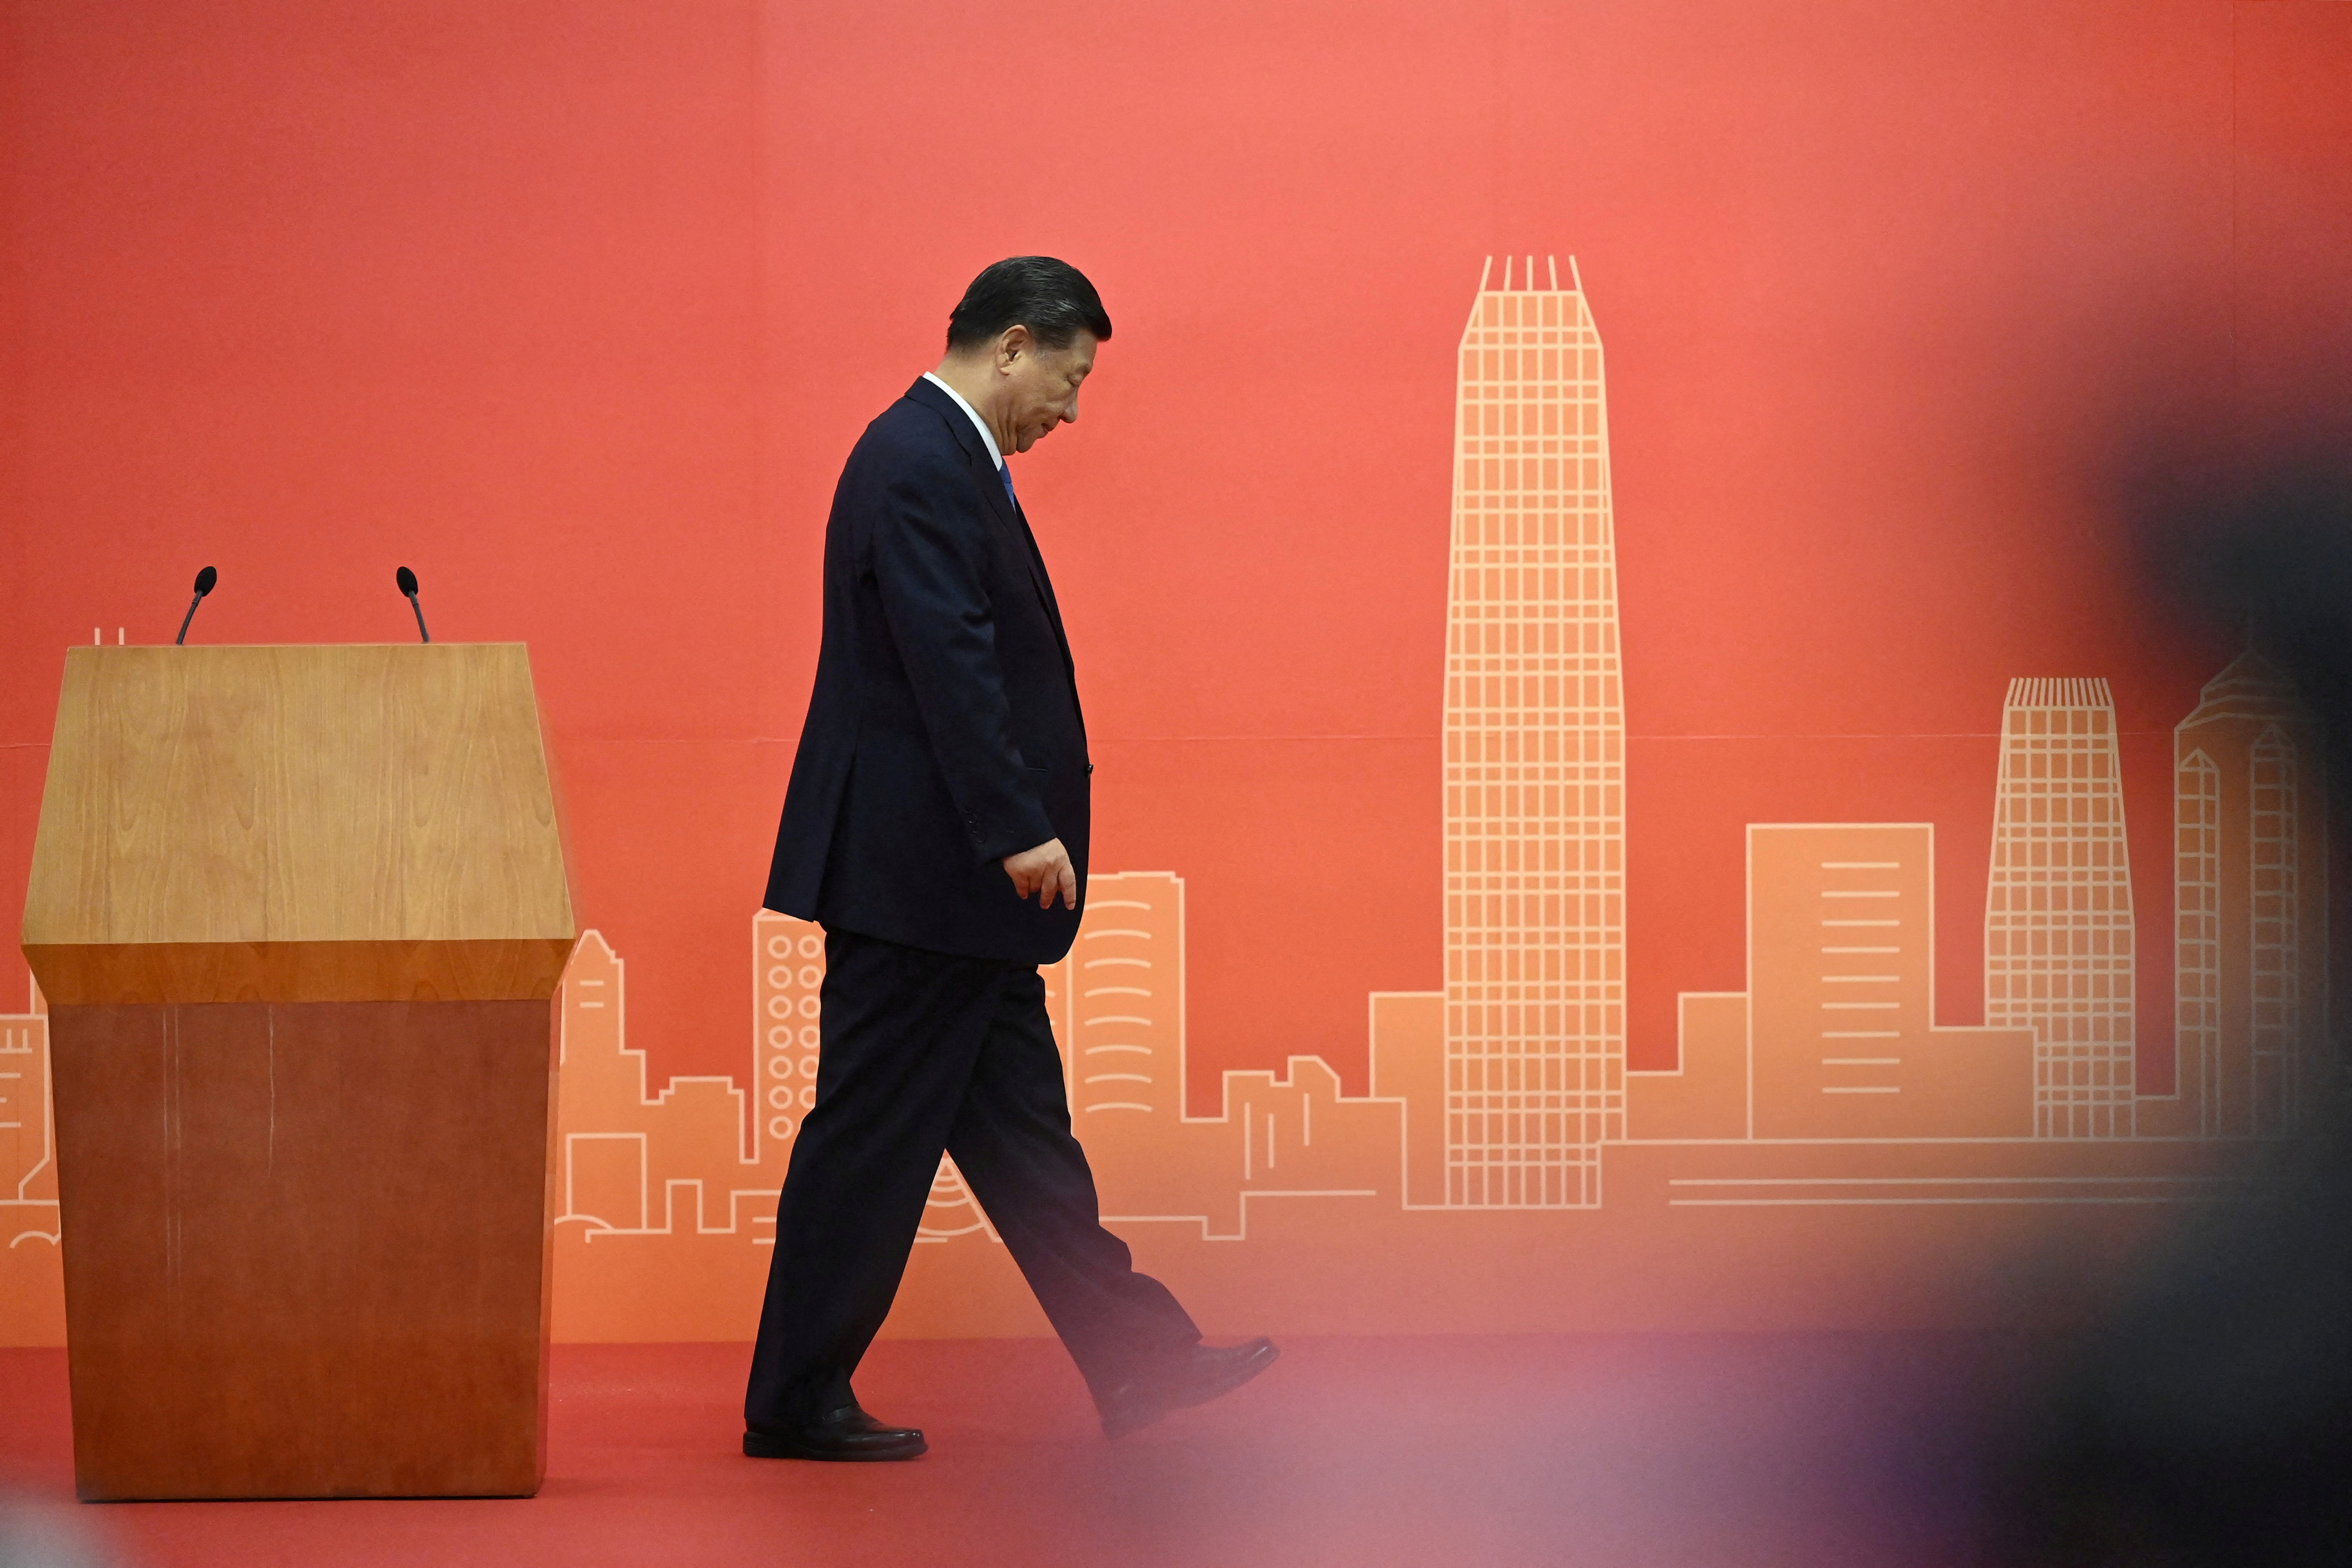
2261,545
2208,1417
35,1535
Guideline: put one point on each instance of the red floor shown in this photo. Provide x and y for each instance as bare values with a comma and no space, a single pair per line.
1724,1452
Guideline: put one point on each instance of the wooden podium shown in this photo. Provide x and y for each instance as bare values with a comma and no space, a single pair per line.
299,914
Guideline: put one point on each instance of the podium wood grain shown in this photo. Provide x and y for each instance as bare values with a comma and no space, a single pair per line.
299,914
206,807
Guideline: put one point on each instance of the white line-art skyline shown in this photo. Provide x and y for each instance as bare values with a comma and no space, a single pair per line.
28,1172
1816,1078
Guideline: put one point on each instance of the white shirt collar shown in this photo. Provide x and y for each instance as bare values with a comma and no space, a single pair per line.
977,423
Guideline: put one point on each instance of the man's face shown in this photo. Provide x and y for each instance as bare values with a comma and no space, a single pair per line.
1042,386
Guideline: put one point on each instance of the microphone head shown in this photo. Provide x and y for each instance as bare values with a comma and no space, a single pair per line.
205,581
407,581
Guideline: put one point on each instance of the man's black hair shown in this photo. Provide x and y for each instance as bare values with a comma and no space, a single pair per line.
1052,298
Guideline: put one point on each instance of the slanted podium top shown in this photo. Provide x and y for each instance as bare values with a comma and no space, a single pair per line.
345,824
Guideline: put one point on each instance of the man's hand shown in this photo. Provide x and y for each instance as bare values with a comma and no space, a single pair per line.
1045,871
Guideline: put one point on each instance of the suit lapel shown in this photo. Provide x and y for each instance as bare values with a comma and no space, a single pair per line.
999,501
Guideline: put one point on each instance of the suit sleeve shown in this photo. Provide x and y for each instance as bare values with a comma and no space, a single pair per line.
929,549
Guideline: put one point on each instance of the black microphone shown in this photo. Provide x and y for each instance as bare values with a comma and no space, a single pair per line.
407,581
205,581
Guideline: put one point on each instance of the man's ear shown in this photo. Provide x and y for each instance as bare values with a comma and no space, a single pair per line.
1015,342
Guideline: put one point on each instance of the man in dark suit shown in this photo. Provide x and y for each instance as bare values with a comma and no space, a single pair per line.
935,825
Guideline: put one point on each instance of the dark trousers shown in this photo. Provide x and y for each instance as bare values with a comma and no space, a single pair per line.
924,1051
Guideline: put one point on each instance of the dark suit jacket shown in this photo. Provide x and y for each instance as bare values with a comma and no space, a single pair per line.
944,732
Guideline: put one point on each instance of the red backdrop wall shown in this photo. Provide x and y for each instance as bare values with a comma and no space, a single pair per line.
576,308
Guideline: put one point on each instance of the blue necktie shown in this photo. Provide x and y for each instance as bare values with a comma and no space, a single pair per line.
1005,472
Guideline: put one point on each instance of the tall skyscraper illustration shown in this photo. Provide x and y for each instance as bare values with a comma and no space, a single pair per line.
1535,820
2250,868
2058,912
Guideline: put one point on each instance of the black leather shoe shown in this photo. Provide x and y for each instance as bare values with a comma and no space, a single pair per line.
1193,1376
847,1433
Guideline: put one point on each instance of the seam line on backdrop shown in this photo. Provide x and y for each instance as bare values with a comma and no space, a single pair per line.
1334,735
795,740
1633,735
1860,735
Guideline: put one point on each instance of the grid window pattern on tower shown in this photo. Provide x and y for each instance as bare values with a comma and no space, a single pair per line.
2058,913
2197,943
2274,908
1534,763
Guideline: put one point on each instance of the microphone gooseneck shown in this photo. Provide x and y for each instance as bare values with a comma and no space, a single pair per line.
205,581
405,580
